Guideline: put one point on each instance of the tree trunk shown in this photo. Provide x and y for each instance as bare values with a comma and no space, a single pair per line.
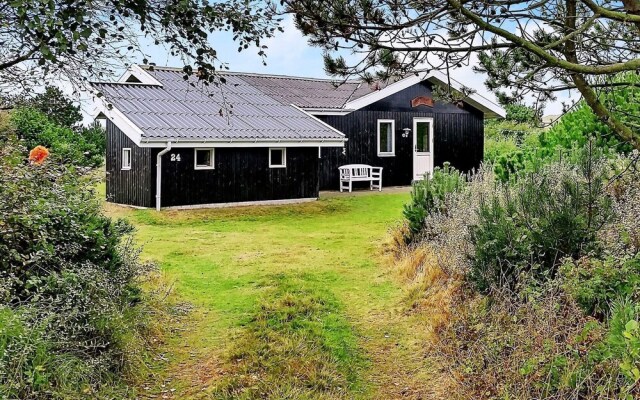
589,95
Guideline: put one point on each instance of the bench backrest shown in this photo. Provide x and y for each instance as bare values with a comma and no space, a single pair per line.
355,171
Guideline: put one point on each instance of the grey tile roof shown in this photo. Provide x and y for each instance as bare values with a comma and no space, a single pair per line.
307,92
241,109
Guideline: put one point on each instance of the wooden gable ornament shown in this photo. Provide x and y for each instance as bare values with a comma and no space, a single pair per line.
422,101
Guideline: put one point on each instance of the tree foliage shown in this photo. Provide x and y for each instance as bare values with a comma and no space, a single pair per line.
54,104
521,113
535,48
80,147
78,40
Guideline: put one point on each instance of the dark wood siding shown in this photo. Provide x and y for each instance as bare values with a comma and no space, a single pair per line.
240,174
132,186
458,137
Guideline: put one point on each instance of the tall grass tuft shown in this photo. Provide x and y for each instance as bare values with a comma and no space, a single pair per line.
296,345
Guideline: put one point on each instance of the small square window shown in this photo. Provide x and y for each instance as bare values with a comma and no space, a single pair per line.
204,158
101,122
386,138
277,158
126,158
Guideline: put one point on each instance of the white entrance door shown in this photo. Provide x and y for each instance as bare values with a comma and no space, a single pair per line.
422,147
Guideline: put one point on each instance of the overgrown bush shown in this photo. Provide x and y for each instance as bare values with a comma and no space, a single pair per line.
546,275
597,283
82,146
530,226
72,314
428,196
544,348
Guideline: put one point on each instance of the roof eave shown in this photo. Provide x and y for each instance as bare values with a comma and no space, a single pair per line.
191,143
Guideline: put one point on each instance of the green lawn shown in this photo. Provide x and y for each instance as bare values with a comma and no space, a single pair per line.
289,301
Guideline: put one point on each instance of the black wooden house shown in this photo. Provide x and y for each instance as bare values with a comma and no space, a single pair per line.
174,142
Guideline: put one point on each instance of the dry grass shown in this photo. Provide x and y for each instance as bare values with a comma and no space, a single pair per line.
432,296
431,290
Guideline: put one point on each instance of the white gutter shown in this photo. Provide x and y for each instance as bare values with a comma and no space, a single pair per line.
161,143
159,174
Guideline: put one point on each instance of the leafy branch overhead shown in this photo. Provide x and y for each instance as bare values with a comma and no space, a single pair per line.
532,47
80,40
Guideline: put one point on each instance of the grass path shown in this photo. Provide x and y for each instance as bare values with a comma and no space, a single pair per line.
289,301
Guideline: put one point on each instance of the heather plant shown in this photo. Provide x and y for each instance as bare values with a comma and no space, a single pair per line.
428,196
542,348
447,232
72,315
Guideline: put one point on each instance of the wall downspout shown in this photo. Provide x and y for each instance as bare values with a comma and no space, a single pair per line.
159,174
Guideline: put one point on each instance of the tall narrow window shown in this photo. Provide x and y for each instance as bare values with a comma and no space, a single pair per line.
386,138
126,158
423,142
277,158
204,159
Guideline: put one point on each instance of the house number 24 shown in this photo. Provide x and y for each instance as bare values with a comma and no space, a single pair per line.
175,157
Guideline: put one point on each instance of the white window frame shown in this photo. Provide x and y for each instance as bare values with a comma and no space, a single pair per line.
195,158
125,150
284,157
392,153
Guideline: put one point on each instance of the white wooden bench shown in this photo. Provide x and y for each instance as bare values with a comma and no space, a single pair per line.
360,173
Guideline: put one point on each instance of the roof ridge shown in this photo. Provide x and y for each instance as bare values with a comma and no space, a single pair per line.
257,74
302,78
122,83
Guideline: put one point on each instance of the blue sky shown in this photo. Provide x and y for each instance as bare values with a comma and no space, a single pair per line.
289,54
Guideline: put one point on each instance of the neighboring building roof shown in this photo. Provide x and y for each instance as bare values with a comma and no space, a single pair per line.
157,105
550,119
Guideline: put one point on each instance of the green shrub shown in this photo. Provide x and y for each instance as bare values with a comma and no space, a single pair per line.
623,341
576,129
521,113
530,225
428,196
73,314
595,284
511,147
495,147
84,147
